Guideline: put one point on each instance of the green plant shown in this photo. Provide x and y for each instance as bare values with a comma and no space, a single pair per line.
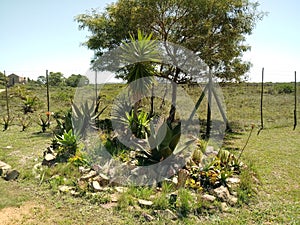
44,122
63,124
68,143
162,142
140,125
7,120
79,159
184,202
285,88
29,104
85,116
25,122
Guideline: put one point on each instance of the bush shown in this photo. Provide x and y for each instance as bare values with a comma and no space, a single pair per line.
285,89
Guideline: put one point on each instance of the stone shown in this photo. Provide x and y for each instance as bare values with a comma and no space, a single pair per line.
121,189
104,180
232,200
96,186
233,180
167,214
148,217
49,157
64,188
89,175
4,168
83,170
12,175
224,207
209,198
222,193
145,203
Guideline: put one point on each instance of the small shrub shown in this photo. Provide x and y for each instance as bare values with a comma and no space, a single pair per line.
184,202
285,89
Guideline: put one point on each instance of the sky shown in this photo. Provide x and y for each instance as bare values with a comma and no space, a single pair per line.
38,35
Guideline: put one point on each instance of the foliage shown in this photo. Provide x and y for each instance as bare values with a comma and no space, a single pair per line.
140,125
77,80
68,145
44,122
161,143
85,116
41,80
64,124
56,79
25,122
285,88
7,120
213,172
29,104
215,30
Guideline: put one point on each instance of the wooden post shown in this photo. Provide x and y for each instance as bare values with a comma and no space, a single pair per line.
261,103
209,105
6,96
295,110
96,88
48,98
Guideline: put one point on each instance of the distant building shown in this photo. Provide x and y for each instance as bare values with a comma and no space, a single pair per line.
15,79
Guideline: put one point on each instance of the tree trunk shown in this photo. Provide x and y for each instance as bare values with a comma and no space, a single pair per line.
172,112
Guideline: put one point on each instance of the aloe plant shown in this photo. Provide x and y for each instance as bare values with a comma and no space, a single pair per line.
68,143
29,103
140,125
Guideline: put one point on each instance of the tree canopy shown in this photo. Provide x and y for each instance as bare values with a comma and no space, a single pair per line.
77,80
214,30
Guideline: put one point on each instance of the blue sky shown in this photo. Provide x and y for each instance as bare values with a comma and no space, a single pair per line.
39,35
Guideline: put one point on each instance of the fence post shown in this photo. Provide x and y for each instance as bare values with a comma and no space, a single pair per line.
295,110
48,98
261,102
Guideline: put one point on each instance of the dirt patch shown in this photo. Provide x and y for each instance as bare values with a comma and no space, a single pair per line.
17,215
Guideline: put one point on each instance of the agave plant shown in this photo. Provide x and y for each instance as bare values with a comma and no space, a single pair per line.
85,116
7,120
160,144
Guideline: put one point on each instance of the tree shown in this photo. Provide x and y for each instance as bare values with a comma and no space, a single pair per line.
41,80
56,79
2,80
214,30
77,80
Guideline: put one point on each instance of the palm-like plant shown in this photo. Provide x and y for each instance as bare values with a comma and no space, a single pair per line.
139,56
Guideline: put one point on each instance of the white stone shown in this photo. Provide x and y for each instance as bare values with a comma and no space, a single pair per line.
208,197
96,185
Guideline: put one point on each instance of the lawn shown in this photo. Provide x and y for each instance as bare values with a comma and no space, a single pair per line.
273,154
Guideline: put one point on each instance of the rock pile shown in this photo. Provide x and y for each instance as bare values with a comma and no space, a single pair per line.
7,173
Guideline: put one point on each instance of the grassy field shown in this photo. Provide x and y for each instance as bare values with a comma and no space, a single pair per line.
274,155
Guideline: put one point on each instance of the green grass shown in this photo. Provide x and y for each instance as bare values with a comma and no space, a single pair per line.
274,155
